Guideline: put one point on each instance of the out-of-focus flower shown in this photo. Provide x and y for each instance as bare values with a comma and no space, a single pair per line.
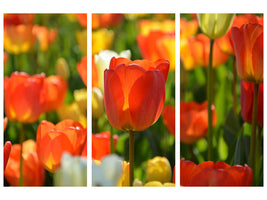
158,184
82,18
16,19
195,52
33,172
102,61
248,47
146,26
134,16
81,37
158,169
7,150
5,58
95,21
5,123
53,140
82,69
46,37
168,115
23,95
72,111
18,39
101,145
101,39
137,182
84,152
55,90
80,96
97,103
62,68
72,171
106,20
156,45
108,172
215,25
125,179
246,99
133,88
194,121
95,76
209,173
188,28
226,42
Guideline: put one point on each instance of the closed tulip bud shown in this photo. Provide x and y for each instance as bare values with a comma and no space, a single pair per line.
158,169
82,69
80,97
72,171
215,25
97,103
62,68
7,150
153,184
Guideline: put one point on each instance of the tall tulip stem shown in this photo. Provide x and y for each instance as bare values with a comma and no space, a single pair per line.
131,157
22,136
234,85
209,97
253,128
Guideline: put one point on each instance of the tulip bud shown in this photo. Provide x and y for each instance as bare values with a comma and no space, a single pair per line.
158,169
97,103
73,171
80,97
215,25
153,184
62,68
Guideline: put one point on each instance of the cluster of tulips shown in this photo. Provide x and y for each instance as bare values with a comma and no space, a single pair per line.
45,100
221,113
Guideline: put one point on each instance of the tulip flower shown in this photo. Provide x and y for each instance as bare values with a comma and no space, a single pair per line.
84,152
165,26
23,96
194,121
82,18
55,90
134,92
101,39
158,169
7,150
46,37
81,37
97,103
246,99
248,47
101,145
53,140
18,39
16,19
188,28
110,19
95,76
72,171
5,123
102,61
215,25
80,96
125,179
168,115
209,173
33,172
82,69
62,69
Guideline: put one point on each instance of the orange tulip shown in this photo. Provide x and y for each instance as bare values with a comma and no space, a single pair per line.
82,18
209,173
95,21
156,45
7,150
194,121
134,92
5,123
188,28
82,69
33,172
246,99
195,52
168,115
46,37
146,26
95,79
110,19
18,39
101,145
23,95
248,47
84,152
53,140
55,91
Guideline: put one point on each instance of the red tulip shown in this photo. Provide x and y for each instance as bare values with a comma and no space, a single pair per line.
248,47
214,174
168,115
82,69
16,19
194,121
134,92
24,97
110,19
101,145
55,91
246,99
33,172
7,150
53,140
82,18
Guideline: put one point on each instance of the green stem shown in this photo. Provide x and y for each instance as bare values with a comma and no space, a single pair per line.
22,137
258,155
131,157
209,97
94,126
111,141
253,128
234,86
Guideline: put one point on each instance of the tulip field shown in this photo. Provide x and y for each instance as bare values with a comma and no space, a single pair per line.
134,77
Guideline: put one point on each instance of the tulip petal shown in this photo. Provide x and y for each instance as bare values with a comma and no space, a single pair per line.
257,58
